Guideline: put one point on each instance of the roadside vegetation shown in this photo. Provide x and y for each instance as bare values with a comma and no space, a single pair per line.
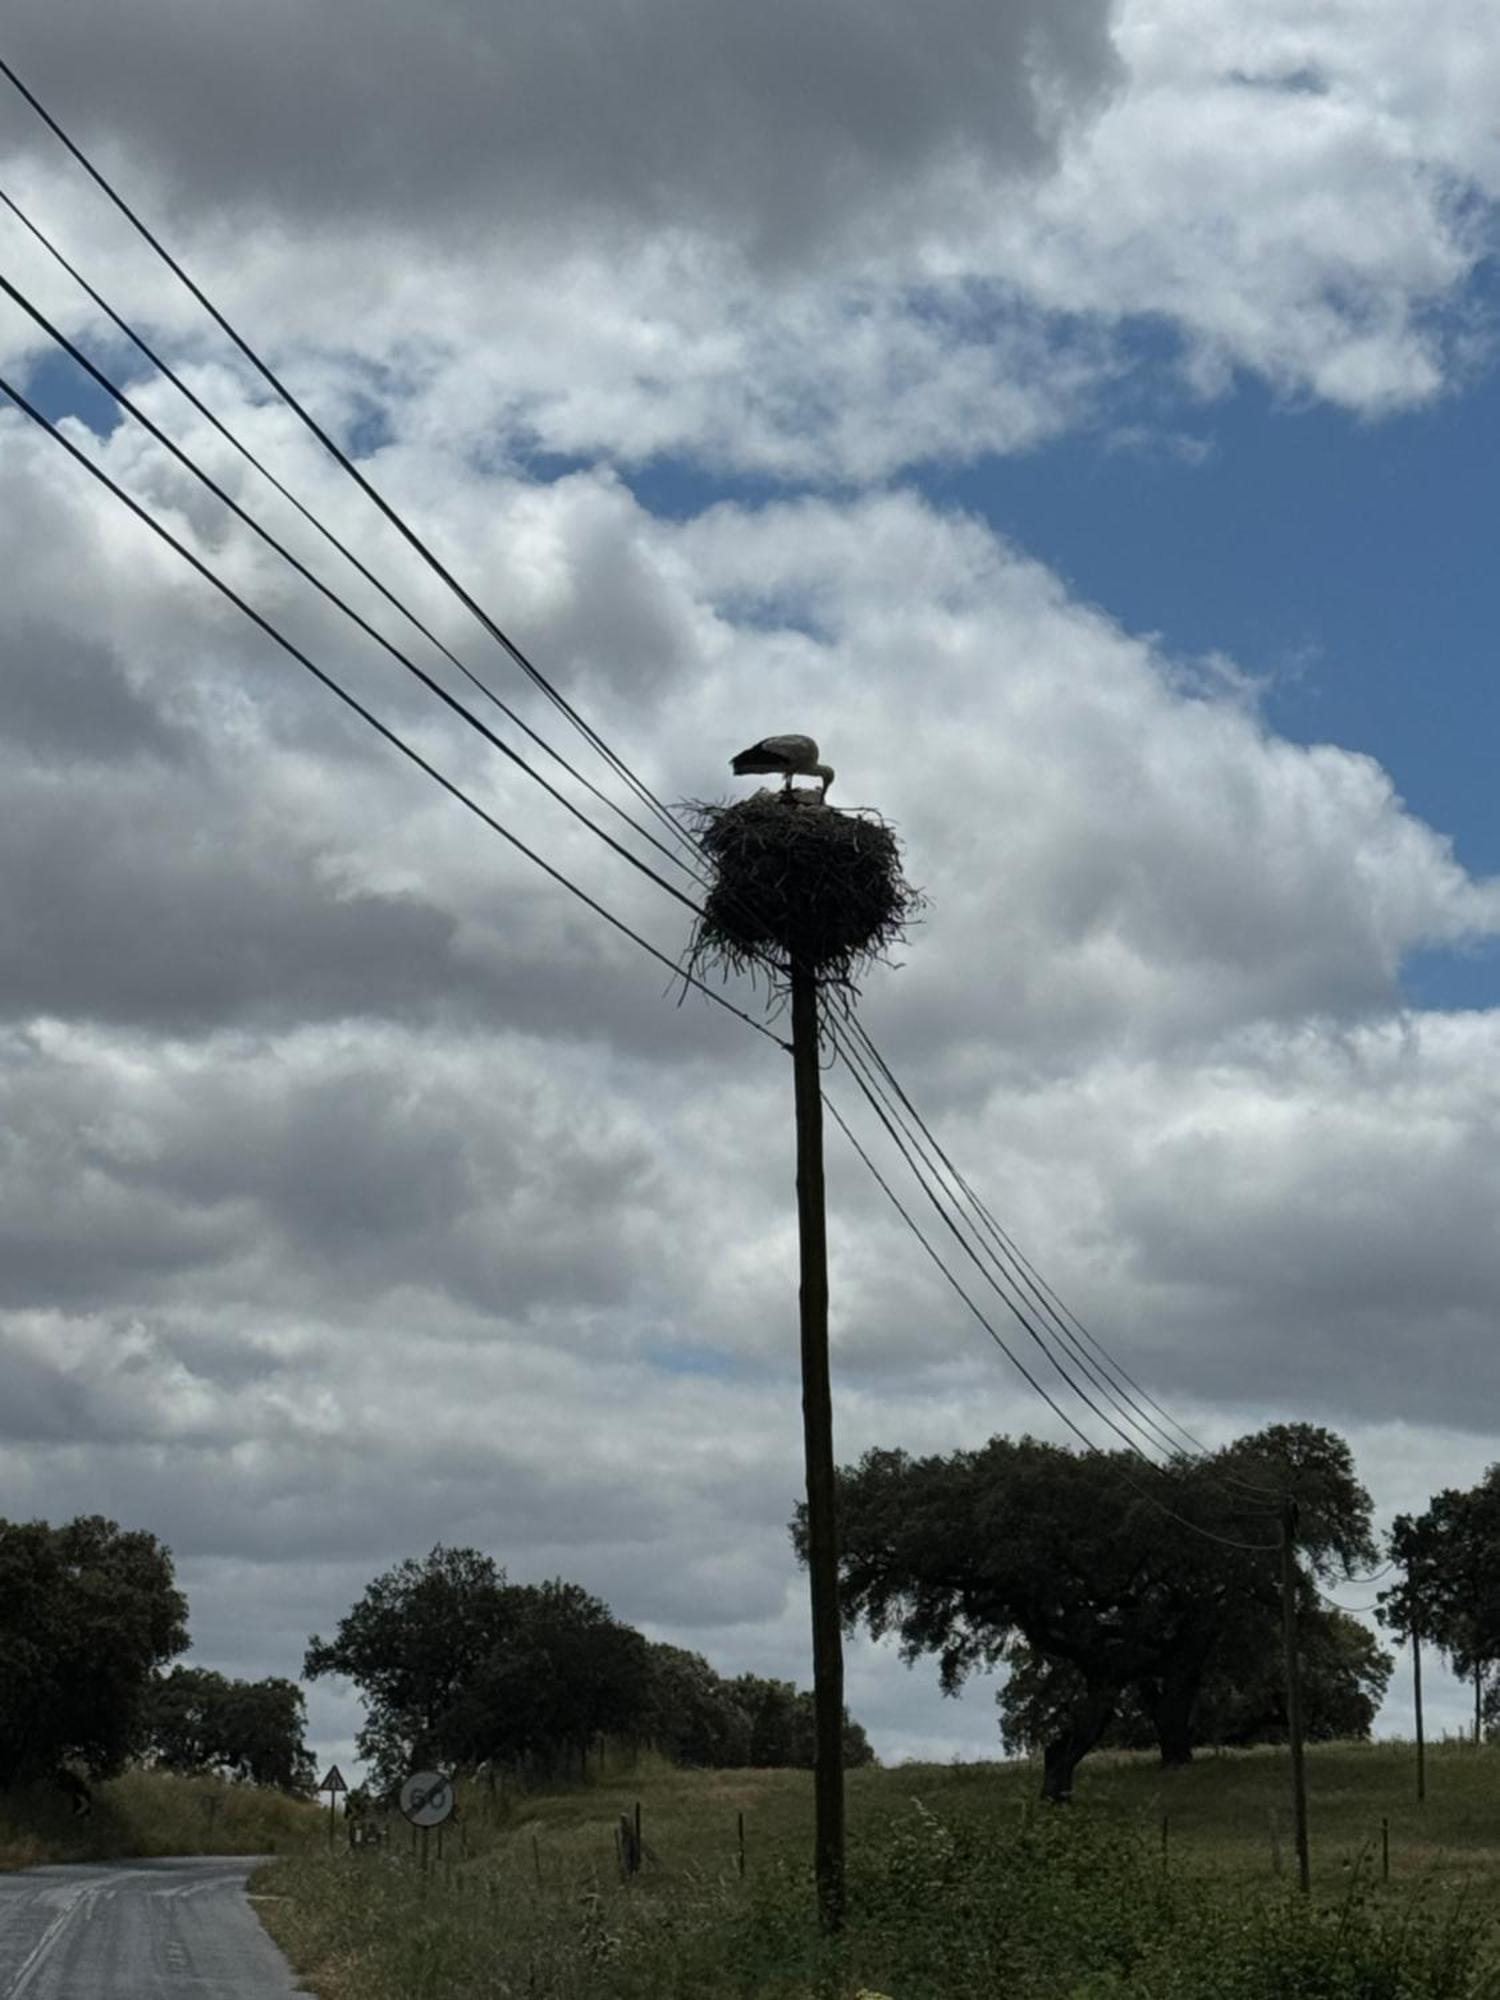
1156,1883
153,1812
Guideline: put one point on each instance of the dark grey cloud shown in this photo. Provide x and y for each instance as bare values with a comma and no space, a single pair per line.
71,702
775,123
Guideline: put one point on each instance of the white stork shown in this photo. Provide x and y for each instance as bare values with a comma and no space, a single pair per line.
787,756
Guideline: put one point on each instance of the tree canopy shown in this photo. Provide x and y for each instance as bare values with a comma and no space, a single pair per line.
88,1613
1130,1577
461,1667
1242,1700
199,1720
1448,1592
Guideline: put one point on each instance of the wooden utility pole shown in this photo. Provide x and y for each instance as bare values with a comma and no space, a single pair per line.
1294,1685
817,1435
1416,1688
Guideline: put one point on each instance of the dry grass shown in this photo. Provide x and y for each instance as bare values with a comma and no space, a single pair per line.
153,1812
525,1896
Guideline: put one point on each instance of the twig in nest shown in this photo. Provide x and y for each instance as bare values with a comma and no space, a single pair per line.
796,881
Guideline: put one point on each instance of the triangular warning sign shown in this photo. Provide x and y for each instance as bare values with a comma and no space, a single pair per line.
334,1782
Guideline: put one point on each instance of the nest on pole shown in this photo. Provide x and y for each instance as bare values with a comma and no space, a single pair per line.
797,882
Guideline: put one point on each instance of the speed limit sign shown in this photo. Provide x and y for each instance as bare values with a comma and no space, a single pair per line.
427,1798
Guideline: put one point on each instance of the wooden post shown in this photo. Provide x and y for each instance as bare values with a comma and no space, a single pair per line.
742,1844
1478,1699
817,1435
1294,1686
1166,1828
1416,1688
1385,1849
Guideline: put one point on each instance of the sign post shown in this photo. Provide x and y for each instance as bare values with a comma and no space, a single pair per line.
427,1800
333,1784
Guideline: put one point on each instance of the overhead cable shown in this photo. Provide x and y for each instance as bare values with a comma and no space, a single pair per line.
1153,1434
231,438
1208,1534
127,403
350,701
337,452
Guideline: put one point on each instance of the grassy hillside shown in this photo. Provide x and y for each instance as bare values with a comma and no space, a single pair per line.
959,1884
153,1812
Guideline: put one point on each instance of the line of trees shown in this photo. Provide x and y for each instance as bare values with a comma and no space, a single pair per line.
457,1666
90,1615
1130,1605
1447,1595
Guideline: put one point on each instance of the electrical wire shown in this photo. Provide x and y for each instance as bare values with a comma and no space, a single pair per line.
1012,1305
1154,1436
336,451
1041,1293
127,403
224,430
851,1058
997,1278
1057,1311
367,715
1209,1534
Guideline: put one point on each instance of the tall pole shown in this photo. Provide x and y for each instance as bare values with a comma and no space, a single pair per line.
1416,1688
1294,1684
1478,1699
817,1435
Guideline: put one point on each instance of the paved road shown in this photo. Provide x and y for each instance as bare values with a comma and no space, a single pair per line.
136,1930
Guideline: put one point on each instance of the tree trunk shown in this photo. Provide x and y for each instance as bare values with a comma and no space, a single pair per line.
1416,1688
1062,1756
1173,1719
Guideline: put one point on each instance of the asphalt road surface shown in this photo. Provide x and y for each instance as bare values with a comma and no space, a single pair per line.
136,1930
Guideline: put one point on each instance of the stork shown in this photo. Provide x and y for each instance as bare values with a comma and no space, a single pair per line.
787,756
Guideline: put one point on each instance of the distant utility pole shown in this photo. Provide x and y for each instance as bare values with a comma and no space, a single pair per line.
817,1434
1294,1684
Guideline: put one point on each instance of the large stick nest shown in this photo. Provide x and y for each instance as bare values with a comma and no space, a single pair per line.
798,882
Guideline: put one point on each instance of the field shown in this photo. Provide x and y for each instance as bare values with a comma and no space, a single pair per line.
153,1812
1159,1885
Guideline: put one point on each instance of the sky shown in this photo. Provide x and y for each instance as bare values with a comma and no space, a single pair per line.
1078,417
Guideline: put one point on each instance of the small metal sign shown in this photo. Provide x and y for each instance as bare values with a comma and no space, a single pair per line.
427,1798
334,1782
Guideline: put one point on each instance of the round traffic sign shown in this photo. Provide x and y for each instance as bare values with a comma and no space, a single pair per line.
427,1798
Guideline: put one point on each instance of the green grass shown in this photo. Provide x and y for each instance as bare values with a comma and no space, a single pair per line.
959,1884
153,1812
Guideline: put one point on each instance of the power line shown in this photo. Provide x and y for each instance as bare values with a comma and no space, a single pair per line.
1209,1534
1057,1311
1012,1305
1060,1313
1004,1284
229,435
1132,1415
1032,1281
326,590
351,701
336,451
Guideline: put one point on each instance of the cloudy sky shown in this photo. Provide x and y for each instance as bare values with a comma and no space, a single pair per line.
1077,417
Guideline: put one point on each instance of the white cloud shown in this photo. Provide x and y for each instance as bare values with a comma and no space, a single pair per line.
734,249
359,1192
